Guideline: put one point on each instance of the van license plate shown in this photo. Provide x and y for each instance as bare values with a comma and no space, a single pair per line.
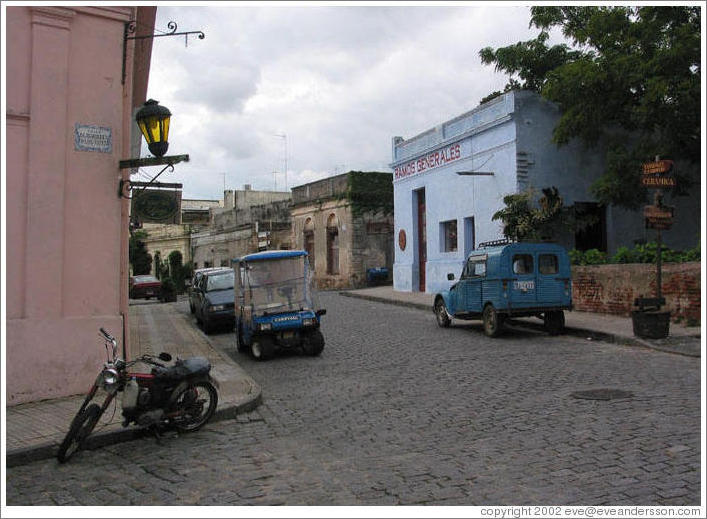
524,285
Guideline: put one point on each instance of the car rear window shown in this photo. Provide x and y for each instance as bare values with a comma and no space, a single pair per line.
146,279
522,264
547,264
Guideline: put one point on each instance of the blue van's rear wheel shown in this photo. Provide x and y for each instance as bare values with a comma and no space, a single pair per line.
443,320
493,322
554,322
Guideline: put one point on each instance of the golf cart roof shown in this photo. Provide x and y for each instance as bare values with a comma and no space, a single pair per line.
271,254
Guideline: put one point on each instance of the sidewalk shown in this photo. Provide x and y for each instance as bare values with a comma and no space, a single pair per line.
35,429
682,340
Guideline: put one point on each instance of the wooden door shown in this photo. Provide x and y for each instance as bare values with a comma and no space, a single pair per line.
422,236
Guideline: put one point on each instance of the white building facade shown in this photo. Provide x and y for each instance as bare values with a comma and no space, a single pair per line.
501,147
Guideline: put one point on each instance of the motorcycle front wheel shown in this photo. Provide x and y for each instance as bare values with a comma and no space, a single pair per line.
195,406
80,429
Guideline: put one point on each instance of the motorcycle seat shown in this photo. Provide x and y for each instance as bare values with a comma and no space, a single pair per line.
191,367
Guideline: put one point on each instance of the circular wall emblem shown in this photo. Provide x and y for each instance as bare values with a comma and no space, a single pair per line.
402,239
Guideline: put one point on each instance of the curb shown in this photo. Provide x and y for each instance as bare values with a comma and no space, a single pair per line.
376,299
48,450
575,332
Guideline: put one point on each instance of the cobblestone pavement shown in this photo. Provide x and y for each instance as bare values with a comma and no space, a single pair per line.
399,411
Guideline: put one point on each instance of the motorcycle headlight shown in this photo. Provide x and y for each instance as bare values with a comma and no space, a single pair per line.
110,378
308,321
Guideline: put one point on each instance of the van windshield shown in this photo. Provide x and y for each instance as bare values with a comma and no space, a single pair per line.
220,281
279,285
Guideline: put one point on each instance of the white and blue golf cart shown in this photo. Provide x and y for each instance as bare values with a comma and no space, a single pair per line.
275,304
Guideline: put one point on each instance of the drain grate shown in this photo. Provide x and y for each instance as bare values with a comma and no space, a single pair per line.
602,394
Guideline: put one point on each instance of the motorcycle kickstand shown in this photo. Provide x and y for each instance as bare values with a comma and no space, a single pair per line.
156,432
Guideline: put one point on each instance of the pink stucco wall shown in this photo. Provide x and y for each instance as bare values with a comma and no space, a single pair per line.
66,239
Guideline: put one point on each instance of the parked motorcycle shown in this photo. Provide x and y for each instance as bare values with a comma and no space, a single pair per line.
182,395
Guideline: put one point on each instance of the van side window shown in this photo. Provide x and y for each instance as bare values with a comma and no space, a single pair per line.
474,268
547,264
522,264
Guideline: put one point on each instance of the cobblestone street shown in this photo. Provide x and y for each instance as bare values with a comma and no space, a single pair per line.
399,411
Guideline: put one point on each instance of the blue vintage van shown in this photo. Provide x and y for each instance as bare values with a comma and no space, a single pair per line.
504,279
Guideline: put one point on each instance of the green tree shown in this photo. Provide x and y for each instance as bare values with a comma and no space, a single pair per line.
176,270
631,78
523,220
139,258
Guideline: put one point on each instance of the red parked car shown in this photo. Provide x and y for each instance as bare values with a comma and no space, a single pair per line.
144,287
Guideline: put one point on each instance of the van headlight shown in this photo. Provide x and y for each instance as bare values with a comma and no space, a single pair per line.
110,378
217,308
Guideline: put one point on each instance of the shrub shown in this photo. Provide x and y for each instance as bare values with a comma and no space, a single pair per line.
624,255
641,253
589,257
169,291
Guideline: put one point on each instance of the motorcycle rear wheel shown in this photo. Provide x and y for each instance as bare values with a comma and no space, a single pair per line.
196,405
81,428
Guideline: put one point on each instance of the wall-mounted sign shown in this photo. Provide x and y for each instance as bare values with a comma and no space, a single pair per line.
657,174
438,158
93,138
157,205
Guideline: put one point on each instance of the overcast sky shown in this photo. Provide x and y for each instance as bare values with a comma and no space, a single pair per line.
339,82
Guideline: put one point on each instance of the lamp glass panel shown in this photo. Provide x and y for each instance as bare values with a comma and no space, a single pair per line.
165,129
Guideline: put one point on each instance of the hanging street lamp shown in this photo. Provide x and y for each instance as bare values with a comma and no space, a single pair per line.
153,121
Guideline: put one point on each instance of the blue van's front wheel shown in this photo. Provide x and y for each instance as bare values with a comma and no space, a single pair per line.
443,320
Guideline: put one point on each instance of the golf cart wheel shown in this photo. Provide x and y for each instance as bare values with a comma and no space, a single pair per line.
554,322
262,347
313,343
493,322
443,320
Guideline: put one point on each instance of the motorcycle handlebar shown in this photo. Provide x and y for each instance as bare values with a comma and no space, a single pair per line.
106,335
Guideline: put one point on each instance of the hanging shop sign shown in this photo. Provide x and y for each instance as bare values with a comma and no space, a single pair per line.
157,205
657,174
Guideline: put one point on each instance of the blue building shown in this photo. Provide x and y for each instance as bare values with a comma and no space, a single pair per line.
451,179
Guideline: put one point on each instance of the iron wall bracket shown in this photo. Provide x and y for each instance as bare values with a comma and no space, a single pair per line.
125,186
130,29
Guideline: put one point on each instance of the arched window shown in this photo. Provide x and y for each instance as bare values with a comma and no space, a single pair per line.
309,240
332,245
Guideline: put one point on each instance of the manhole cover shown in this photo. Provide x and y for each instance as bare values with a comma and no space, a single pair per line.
602,394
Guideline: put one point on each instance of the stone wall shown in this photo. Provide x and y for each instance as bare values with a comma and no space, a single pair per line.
613,288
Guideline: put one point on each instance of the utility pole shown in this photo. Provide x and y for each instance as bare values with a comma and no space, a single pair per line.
284,137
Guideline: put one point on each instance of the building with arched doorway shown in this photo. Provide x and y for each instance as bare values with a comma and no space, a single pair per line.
345,223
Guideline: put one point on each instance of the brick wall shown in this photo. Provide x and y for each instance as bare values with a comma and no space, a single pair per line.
612,288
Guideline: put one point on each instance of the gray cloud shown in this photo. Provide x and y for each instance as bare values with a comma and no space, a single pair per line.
339,81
